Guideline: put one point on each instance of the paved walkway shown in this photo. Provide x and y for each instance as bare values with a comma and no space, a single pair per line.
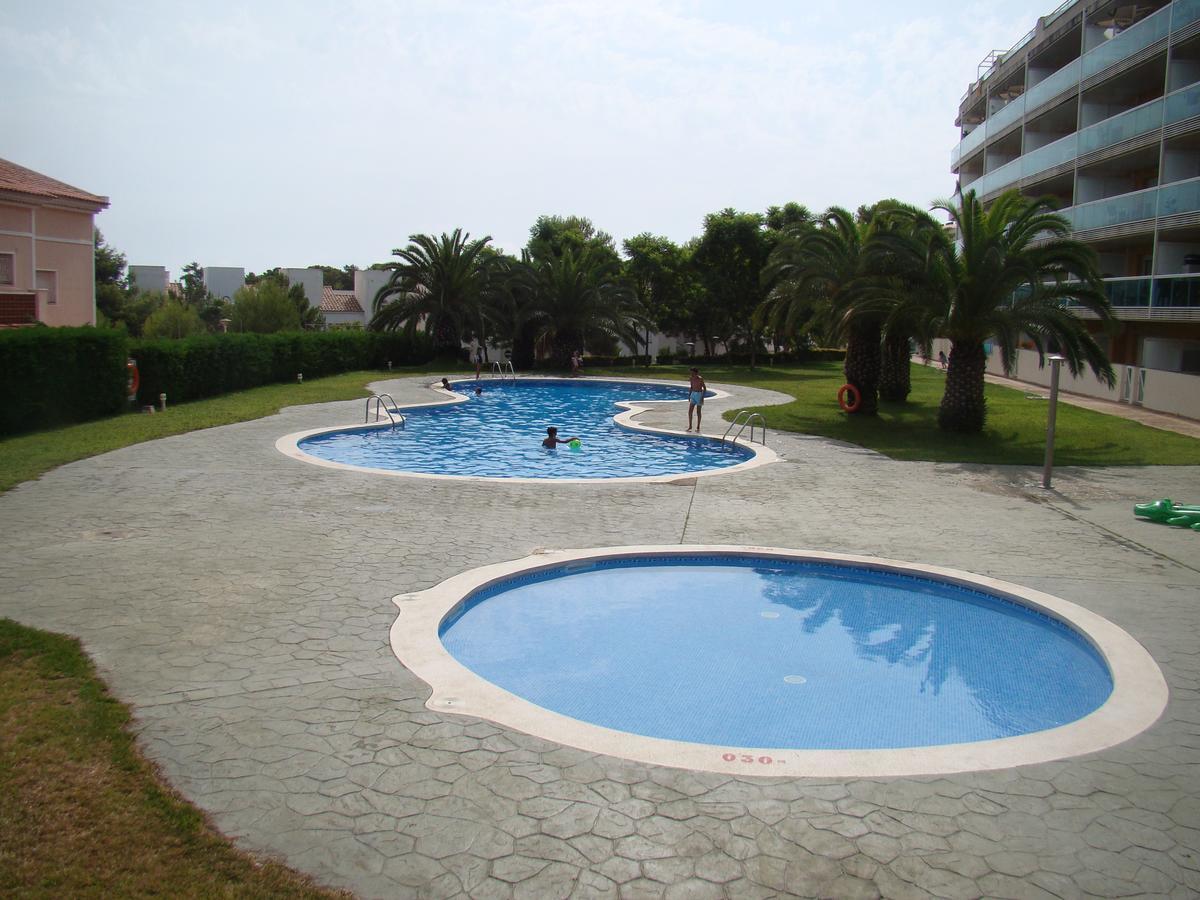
240,601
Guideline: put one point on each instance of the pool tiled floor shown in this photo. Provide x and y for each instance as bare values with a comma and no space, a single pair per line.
240,601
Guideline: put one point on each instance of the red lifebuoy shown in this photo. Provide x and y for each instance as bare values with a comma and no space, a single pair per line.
854,404
133,379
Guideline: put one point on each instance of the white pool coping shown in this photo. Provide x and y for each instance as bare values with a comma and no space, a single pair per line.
1138,698
289,444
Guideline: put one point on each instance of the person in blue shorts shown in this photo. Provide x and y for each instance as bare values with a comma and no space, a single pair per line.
696,398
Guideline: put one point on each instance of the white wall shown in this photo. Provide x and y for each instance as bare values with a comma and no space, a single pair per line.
367,283
149,279
313,283
224,281
1167,392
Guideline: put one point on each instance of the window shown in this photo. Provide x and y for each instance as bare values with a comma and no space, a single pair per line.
8,268
48,281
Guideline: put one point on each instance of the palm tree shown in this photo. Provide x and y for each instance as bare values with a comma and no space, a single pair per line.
830,266
440,285
1011,275
577,298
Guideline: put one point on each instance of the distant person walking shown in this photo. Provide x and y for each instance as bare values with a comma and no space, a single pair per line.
696,390
942,358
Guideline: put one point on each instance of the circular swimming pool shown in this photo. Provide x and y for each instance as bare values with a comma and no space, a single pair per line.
804,654
498,434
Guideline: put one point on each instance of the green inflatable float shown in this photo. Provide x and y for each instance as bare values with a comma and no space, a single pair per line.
1169,512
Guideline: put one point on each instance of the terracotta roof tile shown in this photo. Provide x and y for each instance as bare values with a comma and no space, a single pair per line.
339,301
26,181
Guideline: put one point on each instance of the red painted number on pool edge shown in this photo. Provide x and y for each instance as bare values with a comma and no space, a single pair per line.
747,758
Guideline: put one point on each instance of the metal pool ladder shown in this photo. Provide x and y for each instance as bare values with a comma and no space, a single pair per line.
503,369
751,419
394,416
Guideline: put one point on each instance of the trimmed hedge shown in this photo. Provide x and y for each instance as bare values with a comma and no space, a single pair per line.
57,376
208,365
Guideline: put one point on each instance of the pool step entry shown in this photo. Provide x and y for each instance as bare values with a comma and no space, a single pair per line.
743,419
503,369
381,409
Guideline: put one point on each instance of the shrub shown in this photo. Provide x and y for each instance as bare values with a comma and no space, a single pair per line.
174,320
56,376
264,309
208,365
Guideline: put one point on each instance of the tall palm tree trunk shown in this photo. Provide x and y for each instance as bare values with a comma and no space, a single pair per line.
963,406
895,381
862,365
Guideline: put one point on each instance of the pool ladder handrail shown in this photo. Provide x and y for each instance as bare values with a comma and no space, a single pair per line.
394,415
752,419
498,369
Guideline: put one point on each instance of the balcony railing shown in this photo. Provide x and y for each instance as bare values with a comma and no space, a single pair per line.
1115,211
1180,291
972,141
1182,104
1053,154
1121,127
1005,116
1149,297
1128,291
1053,85
1184,12
1128,42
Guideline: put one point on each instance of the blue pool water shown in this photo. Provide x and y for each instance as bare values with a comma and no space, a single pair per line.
499,434
754,652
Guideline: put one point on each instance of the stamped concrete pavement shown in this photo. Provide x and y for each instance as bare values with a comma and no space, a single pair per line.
239,600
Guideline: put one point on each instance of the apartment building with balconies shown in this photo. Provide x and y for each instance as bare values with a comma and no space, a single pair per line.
1099,107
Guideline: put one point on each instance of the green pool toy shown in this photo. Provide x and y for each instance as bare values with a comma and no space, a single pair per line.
1169,513
575,444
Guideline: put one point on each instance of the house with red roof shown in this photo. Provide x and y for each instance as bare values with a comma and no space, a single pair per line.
47,253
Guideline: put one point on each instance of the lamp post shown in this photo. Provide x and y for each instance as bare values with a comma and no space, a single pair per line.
1051,414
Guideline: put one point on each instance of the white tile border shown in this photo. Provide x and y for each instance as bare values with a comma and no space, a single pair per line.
289,444
1139,690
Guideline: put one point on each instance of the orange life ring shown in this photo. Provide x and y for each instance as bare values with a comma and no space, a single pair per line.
132,378
855,403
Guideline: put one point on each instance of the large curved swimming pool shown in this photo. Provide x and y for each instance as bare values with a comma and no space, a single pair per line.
498,434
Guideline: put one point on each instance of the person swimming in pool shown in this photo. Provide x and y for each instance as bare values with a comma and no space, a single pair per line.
696,398
446,385
553,440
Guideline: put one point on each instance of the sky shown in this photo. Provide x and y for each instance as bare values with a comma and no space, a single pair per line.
301,133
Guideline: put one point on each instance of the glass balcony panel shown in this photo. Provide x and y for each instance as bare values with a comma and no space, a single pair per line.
1182,104
972,141
1005,116
1128,42
1000,178
1185,12
1047,157
1115,210
1181,197
1051,87
1128,291
1121,127
954,158
1180,291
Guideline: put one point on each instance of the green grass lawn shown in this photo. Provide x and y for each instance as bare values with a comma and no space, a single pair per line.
82,813
28,456
1015,433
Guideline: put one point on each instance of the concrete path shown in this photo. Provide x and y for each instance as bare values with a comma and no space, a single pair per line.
240,601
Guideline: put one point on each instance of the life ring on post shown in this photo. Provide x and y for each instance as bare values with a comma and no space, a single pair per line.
132,379
855,398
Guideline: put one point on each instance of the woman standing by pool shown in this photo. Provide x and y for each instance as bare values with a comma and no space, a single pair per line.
696,398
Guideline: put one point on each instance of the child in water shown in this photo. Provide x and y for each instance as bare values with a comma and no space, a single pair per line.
553,440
